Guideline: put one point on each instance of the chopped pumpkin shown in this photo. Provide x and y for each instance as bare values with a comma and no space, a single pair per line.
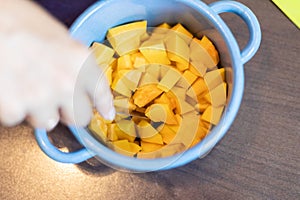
168,90
146,94
161,113
155,52
169,80
145,129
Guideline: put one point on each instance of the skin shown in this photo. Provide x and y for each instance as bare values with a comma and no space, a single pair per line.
45,76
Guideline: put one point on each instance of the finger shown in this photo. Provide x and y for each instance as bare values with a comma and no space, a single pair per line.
11,114
46,117
103,101
76,111
96,84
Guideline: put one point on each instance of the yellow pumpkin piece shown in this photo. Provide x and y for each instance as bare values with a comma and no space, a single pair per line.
144,37
164,25
191,101
113,64
122,135
197,88
175,128
161,113
154,51
217,95
149,147
201,133
145,130
163,99
146,94
222,73
153,70
163,70
199,67
198,54
134,147
188,128
122,73
121,116
140,25
111,133
179,92
162,28
131,79
124,62
140,62
140,110
120,146
166,133
189,76
183,33
204,99
125,147
200,70
126,38
169,80
213,79
178,118
205,125
210,48
212,114
128,127
108,74
177,49
125,104
157,36
136,119
147,79
103,53
128,46
200,107
181,105
133,56
185,107
156,139
173,100
182,67
98,126
132,106
119,86
183,83
164,151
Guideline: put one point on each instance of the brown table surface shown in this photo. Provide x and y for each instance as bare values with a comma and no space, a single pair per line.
259,158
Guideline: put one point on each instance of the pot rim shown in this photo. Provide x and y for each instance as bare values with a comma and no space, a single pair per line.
120,161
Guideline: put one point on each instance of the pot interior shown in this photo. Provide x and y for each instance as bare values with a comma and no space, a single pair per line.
93,26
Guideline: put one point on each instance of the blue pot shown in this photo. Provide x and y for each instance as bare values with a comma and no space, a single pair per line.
199,18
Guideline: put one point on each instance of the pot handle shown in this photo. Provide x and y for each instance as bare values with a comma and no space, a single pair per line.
249,18
50,150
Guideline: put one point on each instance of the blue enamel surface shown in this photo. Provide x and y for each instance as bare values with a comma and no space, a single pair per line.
74,157
109,13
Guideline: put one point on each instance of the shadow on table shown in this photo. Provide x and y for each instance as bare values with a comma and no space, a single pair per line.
64,140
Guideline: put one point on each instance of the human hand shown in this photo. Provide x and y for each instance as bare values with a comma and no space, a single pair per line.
45,76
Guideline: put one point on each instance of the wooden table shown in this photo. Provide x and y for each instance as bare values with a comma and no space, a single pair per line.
259,158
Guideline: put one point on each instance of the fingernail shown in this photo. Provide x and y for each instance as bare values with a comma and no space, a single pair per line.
111,114
51,123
